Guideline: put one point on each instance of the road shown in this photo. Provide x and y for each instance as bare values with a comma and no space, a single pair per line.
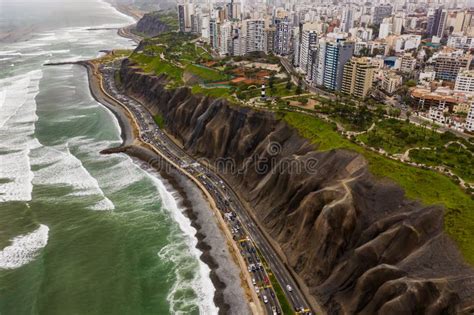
251,240
295,79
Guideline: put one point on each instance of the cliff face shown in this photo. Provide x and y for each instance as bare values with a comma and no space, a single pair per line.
151,25
356,242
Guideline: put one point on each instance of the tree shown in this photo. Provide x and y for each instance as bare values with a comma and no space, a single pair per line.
408,113
271,83
410,83
395,112
288,84
299,88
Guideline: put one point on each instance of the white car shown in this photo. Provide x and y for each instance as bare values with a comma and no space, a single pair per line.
253,281
265,299
257,290
289,288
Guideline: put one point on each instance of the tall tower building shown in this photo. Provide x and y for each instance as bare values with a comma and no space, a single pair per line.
381,12
358,77
337,53
185,16
255,35
282,41
437,22
347,21
309,40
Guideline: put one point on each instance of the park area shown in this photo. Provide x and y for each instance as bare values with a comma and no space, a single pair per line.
187,62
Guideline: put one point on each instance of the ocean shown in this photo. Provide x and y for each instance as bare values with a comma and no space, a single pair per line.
81,233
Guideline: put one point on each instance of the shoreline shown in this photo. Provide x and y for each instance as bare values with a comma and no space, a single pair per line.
133,147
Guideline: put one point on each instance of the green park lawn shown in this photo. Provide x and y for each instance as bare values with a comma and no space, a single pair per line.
206,74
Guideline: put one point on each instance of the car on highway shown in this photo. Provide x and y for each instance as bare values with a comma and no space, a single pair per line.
265,299
254,281
289,288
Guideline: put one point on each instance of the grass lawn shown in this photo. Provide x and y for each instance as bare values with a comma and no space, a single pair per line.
279,90
396,136
220,92
206,74
455,157
427,186
158,66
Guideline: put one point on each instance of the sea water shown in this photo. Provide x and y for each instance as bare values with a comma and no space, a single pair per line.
80,232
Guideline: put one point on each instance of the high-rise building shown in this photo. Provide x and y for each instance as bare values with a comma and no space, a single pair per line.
358,77
225,40
309,39
214,30
347,21
319,64
270,33
282,39
205,31
234,10
185,16
337,53
238,41
437,22
385,28
255,35
447,64
380,12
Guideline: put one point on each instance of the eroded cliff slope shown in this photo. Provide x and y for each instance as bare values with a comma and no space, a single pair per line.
358,245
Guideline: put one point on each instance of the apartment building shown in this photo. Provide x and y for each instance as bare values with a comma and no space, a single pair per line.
358,77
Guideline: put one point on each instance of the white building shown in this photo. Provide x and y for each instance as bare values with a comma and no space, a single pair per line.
426,78
255,35
385,29
408,63
205,31
347,21
309,40
470,119
406,42
225,41
458,41
465,81
361,33
391,82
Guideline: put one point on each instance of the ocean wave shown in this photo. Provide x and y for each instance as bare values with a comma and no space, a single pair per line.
61,167
24,248
191,274
17,127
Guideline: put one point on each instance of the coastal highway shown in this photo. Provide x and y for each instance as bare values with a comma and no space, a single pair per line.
252,242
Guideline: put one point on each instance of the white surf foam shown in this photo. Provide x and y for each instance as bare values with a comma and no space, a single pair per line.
17,126
24,248
108,6
201,284
60,167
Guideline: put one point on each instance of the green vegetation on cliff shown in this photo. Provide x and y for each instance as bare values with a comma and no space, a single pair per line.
427,186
